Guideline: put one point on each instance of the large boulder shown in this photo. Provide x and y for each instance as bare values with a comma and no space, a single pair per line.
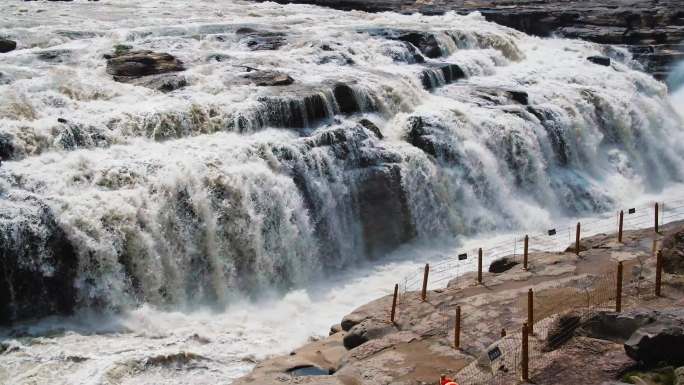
650,336
660,341
616,327
135,64
7,45
502,264
365,331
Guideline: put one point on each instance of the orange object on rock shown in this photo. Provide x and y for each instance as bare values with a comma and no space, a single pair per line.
444,380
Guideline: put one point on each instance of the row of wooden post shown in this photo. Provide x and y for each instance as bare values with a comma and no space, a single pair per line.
656,224
528,327
578,231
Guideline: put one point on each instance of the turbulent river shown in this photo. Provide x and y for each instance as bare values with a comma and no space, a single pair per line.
193,230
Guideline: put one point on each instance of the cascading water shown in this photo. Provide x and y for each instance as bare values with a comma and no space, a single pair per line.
676,83
212,189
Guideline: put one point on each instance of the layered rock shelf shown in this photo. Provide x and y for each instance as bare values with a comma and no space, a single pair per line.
653,30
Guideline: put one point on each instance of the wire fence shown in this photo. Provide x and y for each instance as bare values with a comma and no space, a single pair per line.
556,311
552,241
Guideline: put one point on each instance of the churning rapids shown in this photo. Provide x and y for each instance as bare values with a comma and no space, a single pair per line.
197,229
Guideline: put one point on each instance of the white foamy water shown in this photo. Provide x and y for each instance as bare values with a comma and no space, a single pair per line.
196,231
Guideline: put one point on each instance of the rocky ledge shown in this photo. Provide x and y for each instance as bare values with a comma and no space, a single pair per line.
150,69
653,30
589,346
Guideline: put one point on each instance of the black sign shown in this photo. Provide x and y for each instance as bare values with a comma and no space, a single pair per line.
552,232
494,353
631,211
463,256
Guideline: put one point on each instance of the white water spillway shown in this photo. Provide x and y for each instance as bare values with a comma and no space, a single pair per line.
212,190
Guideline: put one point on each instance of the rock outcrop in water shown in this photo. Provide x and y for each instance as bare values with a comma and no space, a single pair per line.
136,64
257,40
7,45
269,78
38,263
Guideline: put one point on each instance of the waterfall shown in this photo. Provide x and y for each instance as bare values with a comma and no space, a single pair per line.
394,128
676,78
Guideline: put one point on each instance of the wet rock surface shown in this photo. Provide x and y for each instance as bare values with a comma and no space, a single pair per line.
269,78
438,74
34,283
600,60
7,45
652,30
135,64
260,40
370,126
425,42
163,82
54,55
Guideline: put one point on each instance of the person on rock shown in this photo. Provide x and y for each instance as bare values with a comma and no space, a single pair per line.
444,380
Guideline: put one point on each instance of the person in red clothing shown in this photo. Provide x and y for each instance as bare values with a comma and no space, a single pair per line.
444,380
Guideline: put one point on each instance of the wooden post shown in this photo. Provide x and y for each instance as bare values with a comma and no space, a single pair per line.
530,311
654,247
618,289
394,302
525,354
457,329
659,272
577,239
479,265
656,218
423,293
622,217
527,241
